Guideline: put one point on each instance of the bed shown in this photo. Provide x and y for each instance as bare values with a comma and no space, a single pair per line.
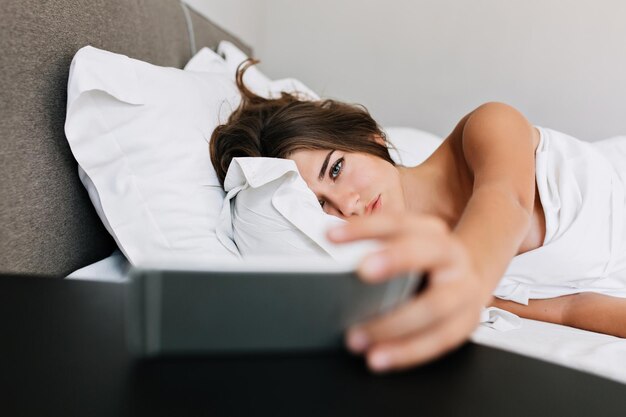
50,226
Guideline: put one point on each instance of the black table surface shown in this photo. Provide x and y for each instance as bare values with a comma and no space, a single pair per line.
63,353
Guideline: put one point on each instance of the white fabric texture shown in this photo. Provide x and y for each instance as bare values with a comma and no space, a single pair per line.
208,61
269,210
592,352
140,135
113,268
499,319
412,146
582,193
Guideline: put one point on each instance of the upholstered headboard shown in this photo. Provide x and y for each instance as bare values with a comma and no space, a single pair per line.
49,226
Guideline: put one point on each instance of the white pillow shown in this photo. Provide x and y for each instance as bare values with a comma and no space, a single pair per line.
205,60
140,134
233,56
413,146
112,269
276,214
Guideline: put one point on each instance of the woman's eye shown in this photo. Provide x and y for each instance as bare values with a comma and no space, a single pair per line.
336,169
321,203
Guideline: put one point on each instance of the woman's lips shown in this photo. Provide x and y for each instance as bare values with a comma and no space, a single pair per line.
375,206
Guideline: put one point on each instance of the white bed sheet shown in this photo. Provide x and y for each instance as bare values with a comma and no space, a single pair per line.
592,352
112,269
596,353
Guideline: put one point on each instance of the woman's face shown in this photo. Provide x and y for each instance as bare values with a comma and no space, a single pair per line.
351,184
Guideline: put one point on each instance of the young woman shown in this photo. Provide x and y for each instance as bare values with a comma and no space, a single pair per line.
461,216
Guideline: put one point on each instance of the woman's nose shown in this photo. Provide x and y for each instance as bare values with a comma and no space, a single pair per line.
347,204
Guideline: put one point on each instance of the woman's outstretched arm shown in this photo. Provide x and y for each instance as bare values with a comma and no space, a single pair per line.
587,311
497,144
465,264
596,312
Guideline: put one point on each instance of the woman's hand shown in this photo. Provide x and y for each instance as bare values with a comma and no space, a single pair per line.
442,316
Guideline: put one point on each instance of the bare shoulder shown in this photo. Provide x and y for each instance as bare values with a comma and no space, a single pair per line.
496,116
498,145
487,119
491,146
493,120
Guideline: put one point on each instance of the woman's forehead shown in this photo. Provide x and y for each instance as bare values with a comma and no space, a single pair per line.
311,162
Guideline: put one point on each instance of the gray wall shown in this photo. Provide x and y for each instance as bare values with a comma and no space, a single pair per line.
426,63
243,18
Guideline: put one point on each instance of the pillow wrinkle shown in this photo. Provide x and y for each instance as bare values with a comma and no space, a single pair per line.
131,177
134,162
120,80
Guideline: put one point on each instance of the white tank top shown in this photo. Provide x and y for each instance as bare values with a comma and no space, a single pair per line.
581,186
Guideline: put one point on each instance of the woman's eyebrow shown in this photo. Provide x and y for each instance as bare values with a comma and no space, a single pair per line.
324,165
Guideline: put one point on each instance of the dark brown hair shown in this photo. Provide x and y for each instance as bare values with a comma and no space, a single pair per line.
277,127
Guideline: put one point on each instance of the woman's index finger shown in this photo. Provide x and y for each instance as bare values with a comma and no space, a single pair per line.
380,226
375,226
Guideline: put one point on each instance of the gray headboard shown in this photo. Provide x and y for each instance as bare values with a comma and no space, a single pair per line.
49,226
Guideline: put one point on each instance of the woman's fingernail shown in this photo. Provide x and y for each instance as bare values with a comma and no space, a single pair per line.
374,265
357,341
380,361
